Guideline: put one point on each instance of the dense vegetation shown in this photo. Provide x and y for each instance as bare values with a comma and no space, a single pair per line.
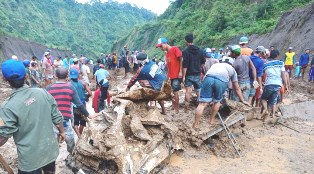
213,22
65,24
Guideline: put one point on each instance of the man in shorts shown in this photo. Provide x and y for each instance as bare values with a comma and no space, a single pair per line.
242,64
258,64
275,72
213,88
289,60
193,60
149,75
174,64
81,88
47,68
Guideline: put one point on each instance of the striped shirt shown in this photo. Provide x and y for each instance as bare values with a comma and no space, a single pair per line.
64,94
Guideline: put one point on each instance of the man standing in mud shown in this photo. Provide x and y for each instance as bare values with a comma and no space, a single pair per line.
29,115
126,64
193,60
65,94
275,74
48,68
174,64
213,88
149,75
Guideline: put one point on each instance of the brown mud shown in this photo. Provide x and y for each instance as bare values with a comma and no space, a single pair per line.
139,129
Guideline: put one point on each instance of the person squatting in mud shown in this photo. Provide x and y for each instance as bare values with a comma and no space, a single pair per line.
29,115
149,75
215,85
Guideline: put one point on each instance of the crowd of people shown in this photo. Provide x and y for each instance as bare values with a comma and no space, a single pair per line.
39,115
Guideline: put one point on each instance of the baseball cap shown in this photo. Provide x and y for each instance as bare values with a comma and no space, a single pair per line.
14,57
214,49
290,48
75,59
47,53
260,49
13,70
228,60
26,62
74,73
243,40
221,49
236,49
208,52
161,41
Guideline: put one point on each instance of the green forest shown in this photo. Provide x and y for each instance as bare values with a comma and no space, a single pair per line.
65,24
213,22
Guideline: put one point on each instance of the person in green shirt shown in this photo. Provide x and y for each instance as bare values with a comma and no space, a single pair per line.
29,115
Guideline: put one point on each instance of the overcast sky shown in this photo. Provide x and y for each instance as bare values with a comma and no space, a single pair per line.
156,6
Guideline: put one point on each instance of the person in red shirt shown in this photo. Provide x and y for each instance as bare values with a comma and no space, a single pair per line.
174,64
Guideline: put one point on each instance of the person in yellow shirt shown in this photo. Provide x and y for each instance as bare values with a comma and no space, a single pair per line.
289,60
245,50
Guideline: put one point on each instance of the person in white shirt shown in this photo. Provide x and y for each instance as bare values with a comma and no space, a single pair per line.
85,71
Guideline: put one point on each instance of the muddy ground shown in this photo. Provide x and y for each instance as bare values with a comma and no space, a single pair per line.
264,148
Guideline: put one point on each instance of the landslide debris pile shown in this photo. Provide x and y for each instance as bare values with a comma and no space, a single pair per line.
132,137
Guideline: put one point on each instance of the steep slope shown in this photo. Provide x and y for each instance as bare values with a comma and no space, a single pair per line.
295,28
25,49
66,24
213,22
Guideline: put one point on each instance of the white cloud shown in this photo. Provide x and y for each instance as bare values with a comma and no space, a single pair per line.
156,6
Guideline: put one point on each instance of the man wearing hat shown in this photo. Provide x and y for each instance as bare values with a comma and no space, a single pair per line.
47,68
174,65
256,88
81,88
220,53
209,61
193,60
29,115
149,75
245,50
289,60
213,88
242,64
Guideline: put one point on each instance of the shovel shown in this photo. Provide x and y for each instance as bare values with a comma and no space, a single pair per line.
5,165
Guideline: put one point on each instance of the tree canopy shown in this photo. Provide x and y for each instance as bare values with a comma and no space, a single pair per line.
88,29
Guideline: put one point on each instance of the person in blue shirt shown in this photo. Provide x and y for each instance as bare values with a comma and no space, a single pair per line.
256,58
149,75
303,62
275,72
102,79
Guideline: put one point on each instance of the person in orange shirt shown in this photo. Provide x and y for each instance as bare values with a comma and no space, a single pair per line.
245,50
